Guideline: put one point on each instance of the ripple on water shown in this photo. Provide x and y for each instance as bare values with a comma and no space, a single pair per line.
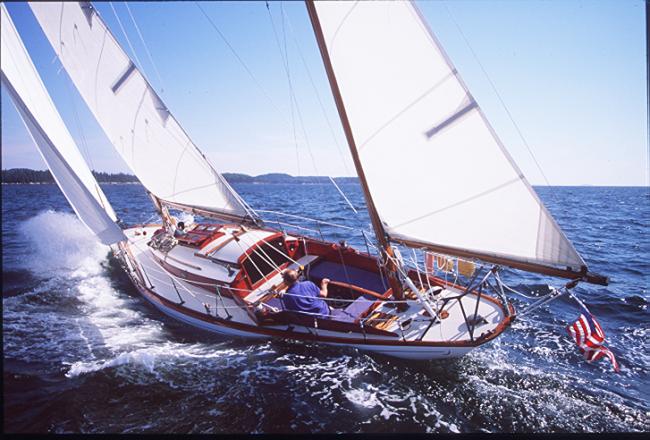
73,332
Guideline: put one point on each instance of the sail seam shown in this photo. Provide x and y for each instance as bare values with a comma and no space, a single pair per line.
135,122
345,18
453,205
169,197
178,163
409,106
99,63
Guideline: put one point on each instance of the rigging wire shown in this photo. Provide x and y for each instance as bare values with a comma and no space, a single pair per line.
285,62
135,55
292,94
503,104
342,194
320,102
322,108
290,84
292,99
239,59
137,28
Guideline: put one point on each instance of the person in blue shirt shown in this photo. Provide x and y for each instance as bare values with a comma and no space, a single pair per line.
305,296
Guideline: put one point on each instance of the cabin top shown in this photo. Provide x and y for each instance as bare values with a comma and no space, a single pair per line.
226,251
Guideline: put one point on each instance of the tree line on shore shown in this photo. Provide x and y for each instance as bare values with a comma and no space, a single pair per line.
26,175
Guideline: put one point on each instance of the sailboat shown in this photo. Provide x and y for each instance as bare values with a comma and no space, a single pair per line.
443,194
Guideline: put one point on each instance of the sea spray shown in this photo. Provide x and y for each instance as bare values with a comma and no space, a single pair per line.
60,242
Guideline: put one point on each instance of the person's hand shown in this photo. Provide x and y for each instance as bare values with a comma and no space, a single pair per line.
325,282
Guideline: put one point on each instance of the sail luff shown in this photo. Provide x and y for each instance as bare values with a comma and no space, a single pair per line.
52,139
380,233
137,122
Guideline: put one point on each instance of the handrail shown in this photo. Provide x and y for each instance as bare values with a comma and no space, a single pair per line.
358,289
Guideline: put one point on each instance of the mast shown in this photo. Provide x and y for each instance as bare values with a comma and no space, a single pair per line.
405,100
380,233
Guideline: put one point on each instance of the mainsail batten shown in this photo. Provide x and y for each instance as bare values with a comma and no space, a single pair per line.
412,116
53,140
133,116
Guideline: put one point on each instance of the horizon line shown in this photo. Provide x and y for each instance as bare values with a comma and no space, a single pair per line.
345,177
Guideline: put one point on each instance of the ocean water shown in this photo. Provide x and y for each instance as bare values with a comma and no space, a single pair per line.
83,352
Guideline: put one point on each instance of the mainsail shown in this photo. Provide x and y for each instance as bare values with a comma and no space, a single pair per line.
133,116
69,169
438,174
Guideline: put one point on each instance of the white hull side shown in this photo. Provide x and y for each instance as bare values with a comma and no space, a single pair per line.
166,299
402,352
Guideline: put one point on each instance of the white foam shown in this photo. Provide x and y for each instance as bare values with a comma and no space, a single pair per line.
153,358
59,241
362,397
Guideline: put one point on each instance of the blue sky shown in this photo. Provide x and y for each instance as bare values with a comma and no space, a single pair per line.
571,73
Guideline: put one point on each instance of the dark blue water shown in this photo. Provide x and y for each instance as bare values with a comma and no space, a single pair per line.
84,353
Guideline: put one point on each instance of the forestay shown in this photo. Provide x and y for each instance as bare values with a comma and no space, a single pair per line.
134,118
69,169
437,172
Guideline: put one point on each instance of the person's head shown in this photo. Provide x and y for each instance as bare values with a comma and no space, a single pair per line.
290,276
181,226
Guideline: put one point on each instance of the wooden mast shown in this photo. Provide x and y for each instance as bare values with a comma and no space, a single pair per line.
380,233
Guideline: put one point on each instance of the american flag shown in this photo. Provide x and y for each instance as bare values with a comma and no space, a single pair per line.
589,337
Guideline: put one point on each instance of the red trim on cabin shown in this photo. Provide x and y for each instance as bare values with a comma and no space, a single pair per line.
250,251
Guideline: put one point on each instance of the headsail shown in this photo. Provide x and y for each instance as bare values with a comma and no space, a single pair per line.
439,176
133,116
52,138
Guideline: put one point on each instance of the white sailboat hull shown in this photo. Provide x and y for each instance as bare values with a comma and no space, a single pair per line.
402,352
187,304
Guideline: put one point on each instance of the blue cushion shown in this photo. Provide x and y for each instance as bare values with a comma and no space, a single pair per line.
349,314
355,276
360,305
341,315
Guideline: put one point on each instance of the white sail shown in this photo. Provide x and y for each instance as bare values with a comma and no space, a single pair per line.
69,169
132,115
437,172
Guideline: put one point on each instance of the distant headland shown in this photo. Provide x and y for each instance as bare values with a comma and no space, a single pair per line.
26,175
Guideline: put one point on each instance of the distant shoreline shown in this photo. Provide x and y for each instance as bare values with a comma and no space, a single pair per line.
29,176
54,183
25,176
